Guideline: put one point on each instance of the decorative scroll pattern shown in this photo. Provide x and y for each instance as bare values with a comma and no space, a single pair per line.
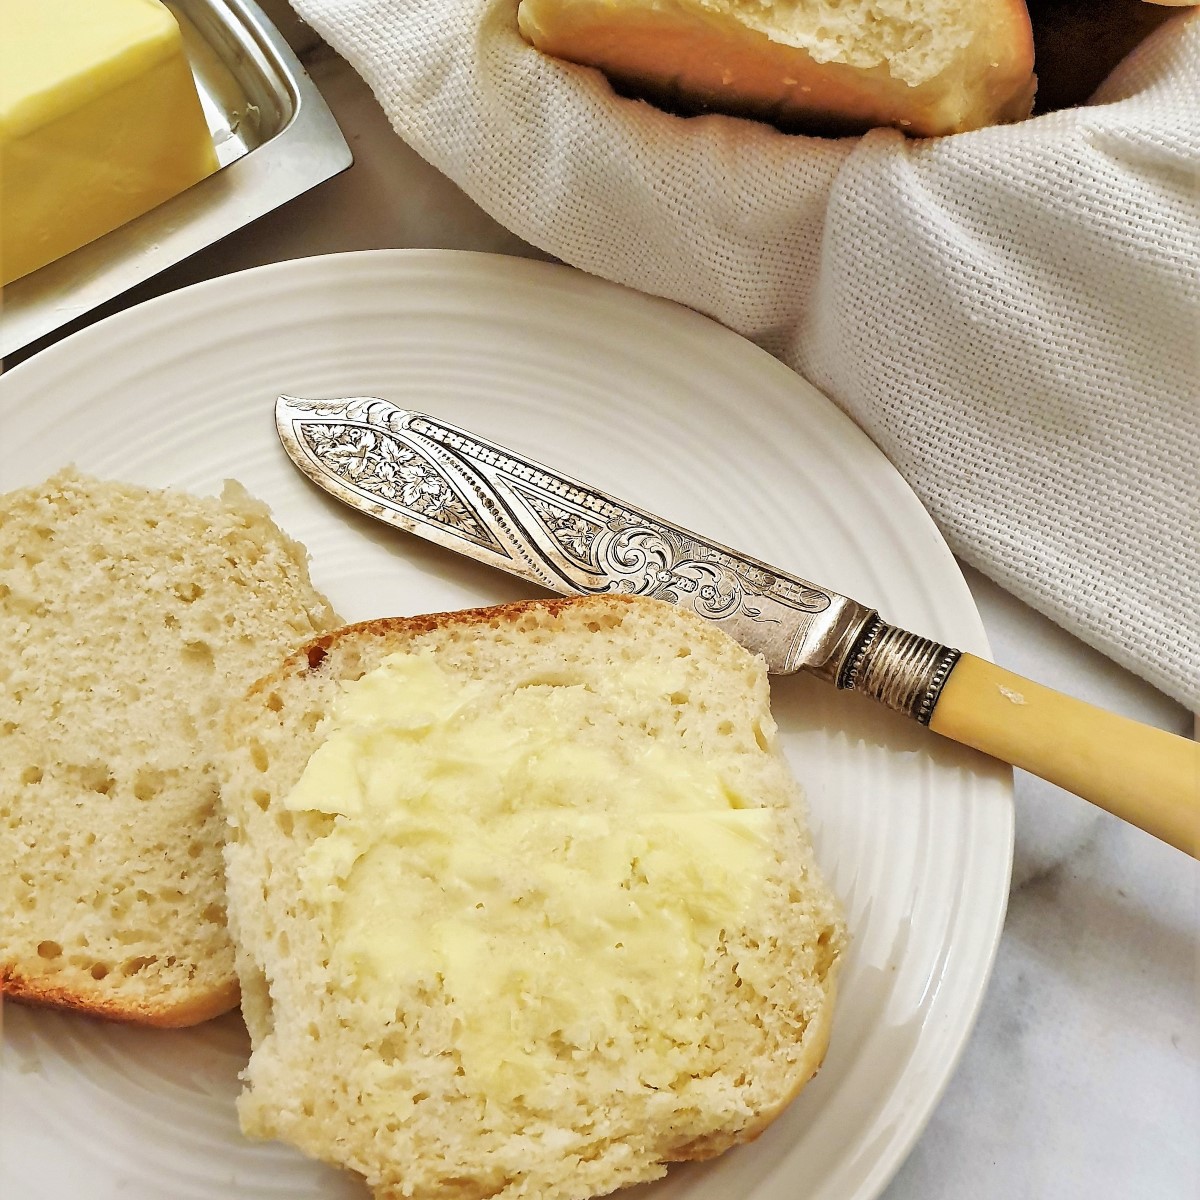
622,548
628,553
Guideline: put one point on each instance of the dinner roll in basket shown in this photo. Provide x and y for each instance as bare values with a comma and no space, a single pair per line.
935,67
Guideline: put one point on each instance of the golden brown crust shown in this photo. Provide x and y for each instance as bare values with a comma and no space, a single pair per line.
313,653
45,992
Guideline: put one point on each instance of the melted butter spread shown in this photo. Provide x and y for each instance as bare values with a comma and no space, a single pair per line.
555,879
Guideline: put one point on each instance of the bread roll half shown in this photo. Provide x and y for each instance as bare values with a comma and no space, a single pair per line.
524,902
927,67
130,618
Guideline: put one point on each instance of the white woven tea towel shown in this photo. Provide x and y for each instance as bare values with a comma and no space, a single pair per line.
1012,314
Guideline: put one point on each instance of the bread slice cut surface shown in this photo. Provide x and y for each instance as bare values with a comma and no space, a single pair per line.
524,901
130,618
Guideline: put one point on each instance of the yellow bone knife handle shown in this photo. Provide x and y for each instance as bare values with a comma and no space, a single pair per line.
1143,775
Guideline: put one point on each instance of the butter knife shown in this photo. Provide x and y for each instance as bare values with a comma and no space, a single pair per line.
425,476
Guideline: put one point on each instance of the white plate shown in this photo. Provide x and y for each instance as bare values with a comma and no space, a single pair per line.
665,409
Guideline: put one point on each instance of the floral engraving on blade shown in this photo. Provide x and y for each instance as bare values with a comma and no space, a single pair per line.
385,466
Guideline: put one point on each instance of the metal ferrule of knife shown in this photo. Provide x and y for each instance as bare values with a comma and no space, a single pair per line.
455,488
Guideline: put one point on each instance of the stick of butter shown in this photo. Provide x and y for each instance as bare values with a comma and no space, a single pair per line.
99,122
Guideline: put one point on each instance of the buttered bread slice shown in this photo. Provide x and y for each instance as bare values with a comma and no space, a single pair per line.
130,618
523,901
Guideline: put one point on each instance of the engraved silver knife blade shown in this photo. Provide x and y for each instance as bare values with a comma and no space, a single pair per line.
423,475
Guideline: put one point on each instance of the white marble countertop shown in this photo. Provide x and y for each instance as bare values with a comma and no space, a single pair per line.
1081,1080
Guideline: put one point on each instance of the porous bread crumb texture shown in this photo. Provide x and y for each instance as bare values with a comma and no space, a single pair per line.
129,620
387,1098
